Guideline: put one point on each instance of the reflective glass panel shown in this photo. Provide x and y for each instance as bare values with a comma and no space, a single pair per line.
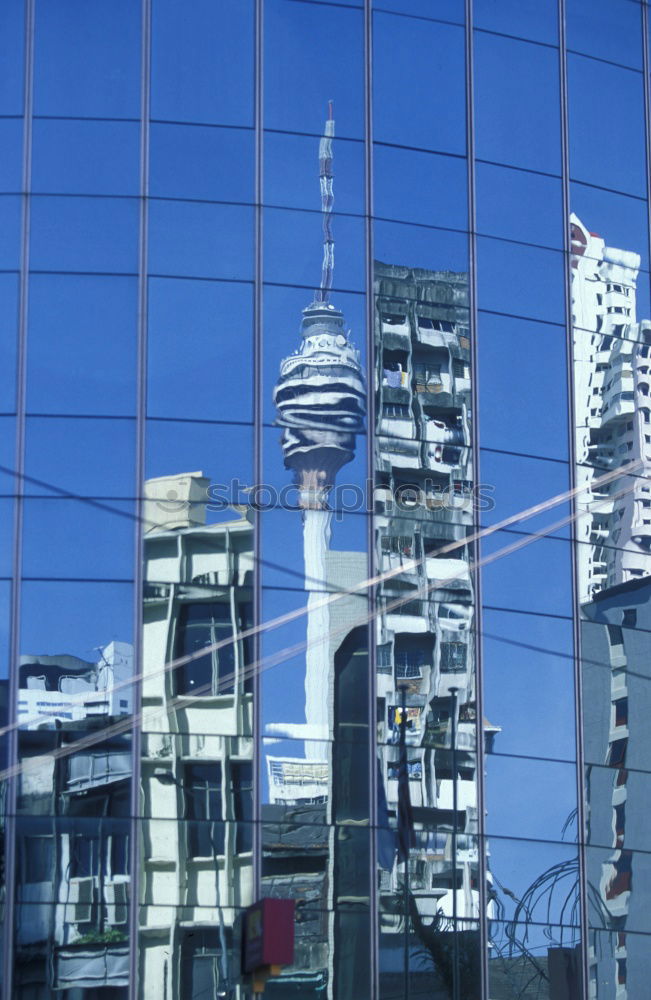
12,33
223,451
293,250
420,246
200,240
621,104
545,806
519,205
11,134
84,234
519,126
313,54
202,62
82,343
444,10
10,215
622,222
611,805
278,301
606,30
76,70
525,491
6,536
85,157
528,684
85,456
196,768
405,76
68,538
513,563
526,18
520,280
620,960
538,396
289,172
189,320
423,188
534,922
201,163
8,341
520,867
620,877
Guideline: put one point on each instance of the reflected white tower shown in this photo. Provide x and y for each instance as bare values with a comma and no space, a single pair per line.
320,397
612,352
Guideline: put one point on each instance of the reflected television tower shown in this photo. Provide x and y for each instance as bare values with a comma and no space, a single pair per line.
320,398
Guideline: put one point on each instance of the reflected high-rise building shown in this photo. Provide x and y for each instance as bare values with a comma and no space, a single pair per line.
611,358
612,355
424,509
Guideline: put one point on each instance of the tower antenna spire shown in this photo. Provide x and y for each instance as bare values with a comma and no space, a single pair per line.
327,201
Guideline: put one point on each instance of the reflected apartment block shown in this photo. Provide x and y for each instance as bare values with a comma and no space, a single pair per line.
613,413
425,628
57,689
196,832
72,827
612,352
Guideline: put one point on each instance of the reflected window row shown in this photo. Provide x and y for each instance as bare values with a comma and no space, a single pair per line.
212,242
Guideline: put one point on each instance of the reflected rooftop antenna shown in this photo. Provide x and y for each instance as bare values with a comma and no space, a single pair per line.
327,201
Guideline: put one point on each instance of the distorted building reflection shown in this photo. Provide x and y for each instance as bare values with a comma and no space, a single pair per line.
612,358
425,629
73,825
197,741
325,687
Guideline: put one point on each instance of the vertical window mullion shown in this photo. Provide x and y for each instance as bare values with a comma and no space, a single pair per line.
473,324
580,771
9,804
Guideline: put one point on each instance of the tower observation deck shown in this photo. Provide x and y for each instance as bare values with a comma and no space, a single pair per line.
320,395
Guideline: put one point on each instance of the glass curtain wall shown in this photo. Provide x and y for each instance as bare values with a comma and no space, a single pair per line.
299,295
72,699
531,826
73,655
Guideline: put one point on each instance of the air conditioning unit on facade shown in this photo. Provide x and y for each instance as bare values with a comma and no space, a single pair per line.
116,899
81,895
